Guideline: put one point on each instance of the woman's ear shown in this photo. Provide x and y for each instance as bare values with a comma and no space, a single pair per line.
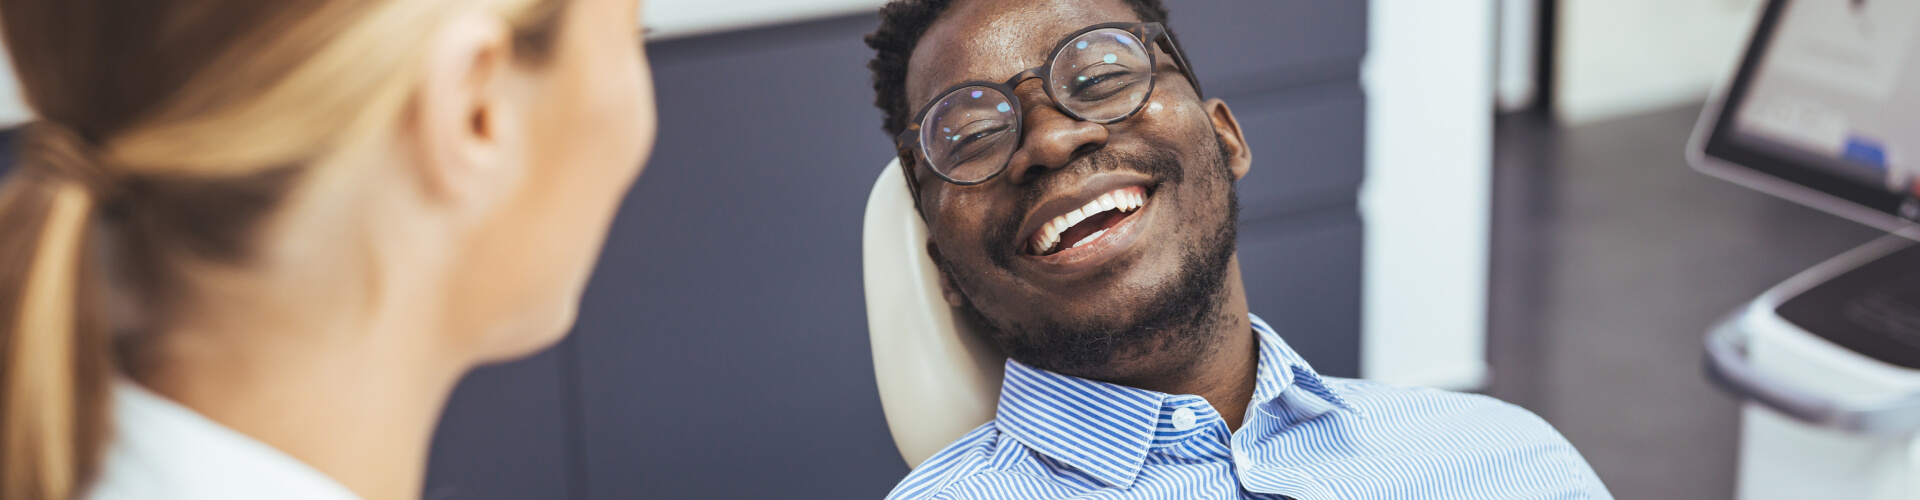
461,111
1227,130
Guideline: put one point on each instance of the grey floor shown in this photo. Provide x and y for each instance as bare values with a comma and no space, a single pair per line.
1610,259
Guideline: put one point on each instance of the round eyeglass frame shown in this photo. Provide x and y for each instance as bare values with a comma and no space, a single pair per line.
908,142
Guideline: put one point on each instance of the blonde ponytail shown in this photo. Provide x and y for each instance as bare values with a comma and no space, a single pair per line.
208,112
52,354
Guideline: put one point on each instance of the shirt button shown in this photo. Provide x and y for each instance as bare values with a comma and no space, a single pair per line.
1183,419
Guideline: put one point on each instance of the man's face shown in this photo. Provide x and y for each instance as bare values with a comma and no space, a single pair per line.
1115,287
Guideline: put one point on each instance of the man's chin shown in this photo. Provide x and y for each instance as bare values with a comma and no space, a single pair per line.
1111,358
1149,334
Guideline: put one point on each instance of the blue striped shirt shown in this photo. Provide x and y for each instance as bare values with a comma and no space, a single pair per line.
1305,437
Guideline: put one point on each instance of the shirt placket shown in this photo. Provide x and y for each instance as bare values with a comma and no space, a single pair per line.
1265,482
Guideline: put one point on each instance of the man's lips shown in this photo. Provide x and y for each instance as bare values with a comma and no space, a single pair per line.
1121,231
1088,223
1060,222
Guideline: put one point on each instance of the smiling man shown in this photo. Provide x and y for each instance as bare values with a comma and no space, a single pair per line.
1079,192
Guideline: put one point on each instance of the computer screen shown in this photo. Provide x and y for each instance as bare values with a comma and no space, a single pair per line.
1825,110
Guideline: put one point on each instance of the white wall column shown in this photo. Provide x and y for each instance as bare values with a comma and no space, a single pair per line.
1427,197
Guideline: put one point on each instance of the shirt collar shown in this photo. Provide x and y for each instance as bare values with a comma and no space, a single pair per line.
1288,387
161,449
1106,430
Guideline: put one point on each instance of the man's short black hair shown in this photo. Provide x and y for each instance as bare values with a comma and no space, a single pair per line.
901,24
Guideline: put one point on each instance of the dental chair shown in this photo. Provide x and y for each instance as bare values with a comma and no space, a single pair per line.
938,378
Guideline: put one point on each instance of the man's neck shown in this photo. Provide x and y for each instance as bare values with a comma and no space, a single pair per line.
1227,369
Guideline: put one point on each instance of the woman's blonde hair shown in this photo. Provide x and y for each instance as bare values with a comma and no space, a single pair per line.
167,130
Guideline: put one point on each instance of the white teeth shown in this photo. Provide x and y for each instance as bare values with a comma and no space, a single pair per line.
1089,237
1048,238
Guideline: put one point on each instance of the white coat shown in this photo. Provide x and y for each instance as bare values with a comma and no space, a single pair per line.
161,450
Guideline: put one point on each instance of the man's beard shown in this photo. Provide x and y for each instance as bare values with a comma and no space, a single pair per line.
1175,320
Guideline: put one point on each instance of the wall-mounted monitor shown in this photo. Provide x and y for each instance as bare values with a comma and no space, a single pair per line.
1825,110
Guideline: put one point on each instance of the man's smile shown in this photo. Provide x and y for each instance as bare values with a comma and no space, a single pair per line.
1088,222
1089,225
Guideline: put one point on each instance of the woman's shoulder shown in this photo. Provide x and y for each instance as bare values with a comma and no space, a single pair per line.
164,450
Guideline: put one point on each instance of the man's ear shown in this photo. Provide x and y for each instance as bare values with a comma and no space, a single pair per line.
460,108
947,289
1227,129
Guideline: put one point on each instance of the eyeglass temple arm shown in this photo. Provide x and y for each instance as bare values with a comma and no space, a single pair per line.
1166,43
909,160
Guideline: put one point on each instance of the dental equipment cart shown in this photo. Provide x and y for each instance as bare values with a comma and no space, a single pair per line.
1824,110
1829,363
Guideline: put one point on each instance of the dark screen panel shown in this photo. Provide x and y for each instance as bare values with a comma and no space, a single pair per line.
1725,143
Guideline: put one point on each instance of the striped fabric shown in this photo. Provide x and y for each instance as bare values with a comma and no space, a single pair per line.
1306,437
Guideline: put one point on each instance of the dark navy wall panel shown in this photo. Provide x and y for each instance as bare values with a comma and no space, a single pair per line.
723,342
504,434
1240,46
1302,276
1308,145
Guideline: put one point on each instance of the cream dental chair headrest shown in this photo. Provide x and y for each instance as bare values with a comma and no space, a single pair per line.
938,379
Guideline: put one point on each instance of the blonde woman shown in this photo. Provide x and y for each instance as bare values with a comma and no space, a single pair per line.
251,245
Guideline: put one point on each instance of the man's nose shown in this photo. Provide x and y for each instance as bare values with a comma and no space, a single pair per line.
1052,140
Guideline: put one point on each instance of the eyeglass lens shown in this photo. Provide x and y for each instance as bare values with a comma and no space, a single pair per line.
1101,75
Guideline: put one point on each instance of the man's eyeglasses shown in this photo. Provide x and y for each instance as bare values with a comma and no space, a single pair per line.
1103,73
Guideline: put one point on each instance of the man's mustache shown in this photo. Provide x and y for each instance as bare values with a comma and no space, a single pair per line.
1156,163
